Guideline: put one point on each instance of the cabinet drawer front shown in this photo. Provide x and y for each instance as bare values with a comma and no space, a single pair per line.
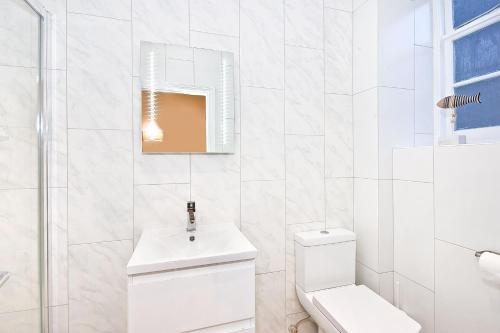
191,299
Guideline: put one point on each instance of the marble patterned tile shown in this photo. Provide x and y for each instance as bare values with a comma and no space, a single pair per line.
292,302
262,138
365,134
58,137
58,319
307,326
346,5
262,29
118,9
270,302
99,75
58,246
228,44
215,186
159,206
159,21
19,34
215,16
305,196
304,23
100,186
365,46
18,158
338,52
155,168
339,154
339,203
18,97
263,222
27,321
19,249
304,91
98,288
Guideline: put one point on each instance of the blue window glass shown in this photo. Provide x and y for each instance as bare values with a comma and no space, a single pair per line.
487,113
465,11
478,53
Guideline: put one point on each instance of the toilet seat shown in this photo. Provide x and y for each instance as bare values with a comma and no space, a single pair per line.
357,309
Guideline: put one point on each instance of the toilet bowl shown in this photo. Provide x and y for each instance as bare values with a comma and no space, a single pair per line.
325,274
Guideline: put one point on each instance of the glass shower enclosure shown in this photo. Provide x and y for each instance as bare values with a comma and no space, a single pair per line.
23,168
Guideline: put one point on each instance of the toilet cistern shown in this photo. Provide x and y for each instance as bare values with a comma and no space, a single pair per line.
191,220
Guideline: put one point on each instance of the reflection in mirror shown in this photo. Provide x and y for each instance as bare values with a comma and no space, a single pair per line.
187,99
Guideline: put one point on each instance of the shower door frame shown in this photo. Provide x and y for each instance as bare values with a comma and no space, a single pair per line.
45,38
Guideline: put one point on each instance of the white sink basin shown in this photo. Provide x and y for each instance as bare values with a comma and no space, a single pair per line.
165,249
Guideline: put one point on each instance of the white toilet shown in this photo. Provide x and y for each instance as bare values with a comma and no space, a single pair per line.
325,275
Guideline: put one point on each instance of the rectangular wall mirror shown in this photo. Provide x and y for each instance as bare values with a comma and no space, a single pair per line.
187,97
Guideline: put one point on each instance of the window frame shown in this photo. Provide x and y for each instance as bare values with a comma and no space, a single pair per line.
444,36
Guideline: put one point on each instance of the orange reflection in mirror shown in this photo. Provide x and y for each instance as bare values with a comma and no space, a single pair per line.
182,118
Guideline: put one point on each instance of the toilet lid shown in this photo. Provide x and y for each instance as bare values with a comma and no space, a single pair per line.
357,309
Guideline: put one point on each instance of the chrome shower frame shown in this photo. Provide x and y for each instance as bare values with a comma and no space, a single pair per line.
45,54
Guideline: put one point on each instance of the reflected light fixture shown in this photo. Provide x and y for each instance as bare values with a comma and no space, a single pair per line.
150,130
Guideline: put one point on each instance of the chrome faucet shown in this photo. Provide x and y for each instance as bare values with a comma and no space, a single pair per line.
191,222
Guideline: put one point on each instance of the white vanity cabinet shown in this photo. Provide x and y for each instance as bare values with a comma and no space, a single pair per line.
205,286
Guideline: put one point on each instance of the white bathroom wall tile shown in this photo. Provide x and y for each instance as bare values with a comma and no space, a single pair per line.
414,231
467,197
345,5
215,16
424,106
423,23
100,186
386,286
58,136
292,302
367,277
305,196
18,97
304,91
56,55
356,4
18,158
58,246
19,249
338,51
262,29
307,326
366,222
395,127
27,321
158,21
365,47
262,138
304,23
159,206
338,136
416,301
414,164
223,43
339,203
19,34
422,139
99,75
365,134
270,302
385,226
58,319
215,186
465,302
118,9
98,288
396,43
263,222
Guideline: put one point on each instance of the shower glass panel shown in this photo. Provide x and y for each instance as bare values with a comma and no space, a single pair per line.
22,181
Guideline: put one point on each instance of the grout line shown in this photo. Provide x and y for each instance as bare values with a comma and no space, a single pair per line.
271,272
209,32
417,283
133,81
68,281
325,201
99,16
101,242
